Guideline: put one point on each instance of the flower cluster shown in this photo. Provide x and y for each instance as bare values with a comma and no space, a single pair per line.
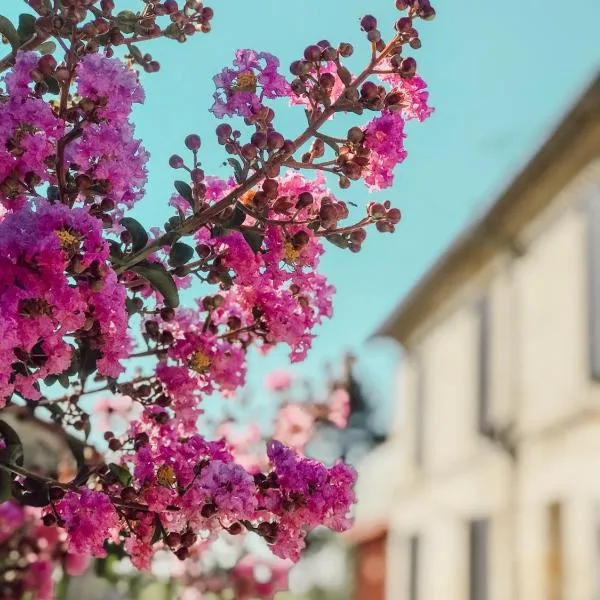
55,283
242,89
86,289
30,550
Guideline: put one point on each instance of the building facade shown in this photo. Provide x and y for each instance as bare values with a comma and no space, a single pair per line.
490,484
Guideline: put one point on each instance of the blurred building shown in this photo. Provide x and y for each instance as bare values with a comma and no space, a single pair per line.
489,486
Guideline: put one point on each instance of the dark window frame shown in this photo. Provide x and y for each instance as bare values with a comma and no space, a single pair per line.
484,364
414,559
479,539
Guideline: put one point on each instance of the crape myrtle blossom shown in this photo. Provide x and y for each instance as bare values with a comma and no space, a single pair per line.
242,89
87,290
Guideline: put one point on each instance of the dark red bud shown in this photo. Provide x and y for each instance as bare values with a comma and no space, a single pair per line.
193,142
176,162
368,23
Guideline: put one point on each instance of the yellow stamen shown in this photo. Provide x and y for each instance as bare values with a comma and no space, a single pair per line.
290,254
68,240
248,198
199,362
245,82
166,475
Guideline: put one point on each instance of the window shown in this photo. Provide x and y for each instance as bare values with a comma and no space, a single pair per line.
483,374
554,565
478,559
419,399
593,222
413,567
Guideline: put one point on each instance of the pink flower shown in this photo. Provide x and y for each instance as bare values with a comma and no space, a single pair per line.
77,564
384,136
293,426
278,381
89,519
238,88
339,407
414,92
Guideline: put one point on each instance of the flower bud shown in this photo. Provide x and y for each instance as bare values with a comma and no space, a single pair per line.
345,49
192,142
312,53
368,23
176,162
275,140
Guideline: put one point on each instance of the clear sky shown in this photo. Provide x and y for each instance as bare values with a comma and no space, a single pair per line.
500,75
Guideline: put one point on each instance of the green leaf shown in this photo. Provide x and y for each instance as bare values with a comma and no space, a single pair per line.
161,281
131,306
53,85
185,191
126,21
138,234
50,380
158,531
5,486
47,47
52,193
63,379
26,28
123,474
237,218
237,169
13,452
136,53
337,240
115,249
180,254
7,29
88,358
254,240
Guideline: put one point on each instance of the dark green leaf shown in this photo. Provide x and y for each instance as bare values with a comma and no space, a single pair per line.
56,411
115,249
53,85
63,379
26,28
180,254
77,450
50,380
185,191
13,452
161,281
136,53
87,363
254,240
126,21
7,29
131,306
47,48
52,193
237,169
158,531
237,218
38,498
218,231
138,234
337,240
5,486
123,474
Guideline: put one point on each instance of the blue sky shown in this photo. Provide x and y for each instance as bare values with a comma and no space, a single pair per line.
500,75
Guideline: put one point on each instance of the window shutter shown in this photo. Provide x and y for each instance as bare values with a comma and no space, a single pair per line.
593,223
419,414
478,559
414,568
483,375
